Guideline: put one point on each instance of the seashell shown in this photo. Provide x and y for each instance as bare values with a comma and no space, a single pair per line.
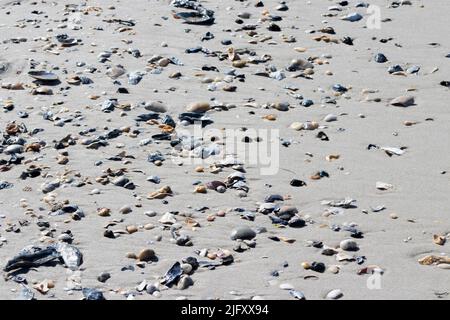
439,240
393,151
352,17
383,186
430,260
75,80
232,55
161,193
402,101
43,75
115,72
13,149
270,117
299,64
35,147
199,107
71,256
172,275
334,294
286,286
104,212
332,157
168,218
13,86
203,17
200,189
44,286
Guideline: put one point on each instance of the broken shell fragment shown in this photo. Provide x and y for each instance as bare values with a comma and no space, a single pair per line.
161,193
439,240
402,101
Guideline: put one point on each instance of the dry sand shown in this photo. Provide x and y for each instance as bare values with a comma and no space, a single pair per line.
420,185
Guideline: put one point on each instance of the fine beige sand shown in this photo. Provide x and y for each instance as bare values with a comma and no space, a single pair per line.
417,206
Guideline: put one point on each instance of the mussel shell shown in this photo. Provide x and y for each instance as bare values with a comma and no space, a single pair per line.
173,275
43,75
195,18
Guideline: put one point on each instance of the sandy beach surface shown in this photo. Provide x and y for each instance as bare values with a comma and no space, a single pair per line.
256,68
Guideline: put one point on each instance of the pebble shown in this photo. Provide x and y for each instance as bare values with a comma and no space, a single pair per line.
242,233
146,255
348,245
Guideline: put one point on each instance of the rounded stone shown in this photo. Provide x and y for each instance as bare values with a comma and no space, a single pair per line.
146,255
335,294
348,245
242,233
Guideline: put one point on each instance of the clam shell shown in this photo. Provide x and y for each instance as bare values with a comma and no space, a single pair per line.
402,101
43,75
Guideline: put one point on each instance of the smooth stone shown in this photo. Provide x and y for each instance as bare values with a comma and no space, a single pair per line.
198,107
184,282
103,277
243,233
287,212
156,106
125,210
348,245
335,294
146,255
380,58
330,118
